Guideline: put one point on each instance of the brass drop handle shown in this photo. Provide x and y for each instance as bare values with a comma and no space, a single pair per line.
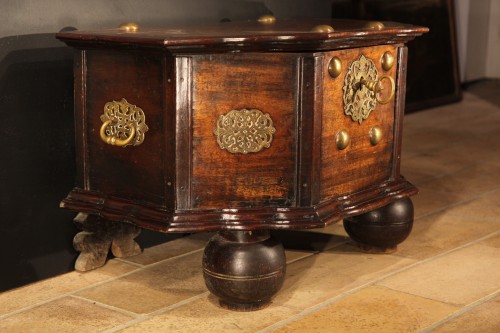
376,86
113,140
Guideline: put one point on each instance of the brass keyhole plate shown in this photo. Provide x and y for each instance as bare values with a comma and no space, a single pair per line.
359,100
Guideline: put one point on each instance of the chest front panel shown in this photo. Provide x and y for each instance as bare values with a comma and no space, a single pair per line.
361,162
244,130
132,171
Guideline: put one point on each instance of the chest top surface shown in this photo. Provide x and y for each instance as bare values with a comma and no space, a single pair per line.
265,34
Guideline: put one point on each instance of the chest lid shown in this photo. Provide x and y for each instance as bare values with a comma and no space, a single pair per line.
265,34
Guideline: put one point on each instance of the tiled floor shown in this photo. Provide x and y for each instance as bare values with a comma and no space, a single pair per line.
444,278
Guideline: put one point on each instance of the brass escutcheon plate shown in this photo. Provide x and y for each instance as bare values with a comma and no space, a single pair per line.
359,100
244,131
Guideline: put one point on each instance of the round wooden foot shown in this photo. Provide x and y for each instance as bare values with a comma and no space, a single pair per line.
244,269
381,230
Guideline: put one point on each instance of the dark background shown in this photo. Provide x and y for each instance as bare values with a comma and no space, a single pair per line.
433,77
37,167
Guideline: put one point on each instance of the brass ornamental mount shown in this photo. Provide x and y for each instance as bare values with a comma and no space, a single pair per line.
375,25
362,89
129,27
342,139
335,67
124,124
323,28
244,131
387,61
375,135
267,19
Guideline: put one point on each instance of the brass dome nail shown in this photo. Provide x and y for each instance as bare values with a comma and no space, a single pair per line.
375,135
375,25
323,28
129,27
342,139
335,67
267,19
387,61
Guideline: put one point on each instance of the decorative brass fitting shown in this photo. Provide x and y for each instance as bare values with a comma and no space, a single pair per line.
113,140
342,139
129,27
267,19
375,25
377,87
244,131
323,28
335,67
362,89
387,61
375,135
123,124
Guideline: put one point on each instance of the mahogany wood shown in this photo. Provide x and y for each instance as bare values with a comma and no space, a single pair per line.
252,36
360,164
400,99
134,172
180,180
225,82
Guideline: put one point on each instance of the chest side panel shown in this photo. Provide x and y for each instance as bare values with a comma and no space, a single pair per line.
132,172
223,174
361,163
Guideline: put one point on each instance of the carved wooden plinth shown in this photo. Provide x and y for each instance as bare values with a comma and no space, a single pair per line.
99,237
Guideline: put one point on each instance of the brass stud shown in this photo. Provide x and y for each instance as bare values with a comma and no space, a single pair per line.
375,25
342,139
267,19
323,28
375,135
335,67
129,27
387,61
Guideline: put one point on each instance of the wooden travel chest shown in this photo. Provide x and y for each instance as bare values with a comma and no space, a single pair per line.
240,127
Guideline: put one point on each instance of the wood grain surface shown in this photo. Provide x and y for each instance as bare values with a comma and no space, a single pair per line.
134,172
180,180
221,83
361,164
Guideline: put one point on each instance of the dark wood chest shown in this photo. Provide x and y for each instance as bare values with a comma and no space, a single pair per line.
241,128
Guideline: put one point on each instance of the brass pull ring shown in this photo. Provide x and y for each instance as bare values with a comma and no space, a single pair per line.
113,140
393,89
376,86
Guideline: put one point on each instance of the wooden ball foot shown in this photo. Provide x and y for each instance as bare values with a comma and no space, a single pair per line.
381,230
244,269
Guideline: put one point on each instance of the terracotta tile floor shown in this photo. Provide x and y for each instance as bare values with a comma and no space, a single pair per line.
444,278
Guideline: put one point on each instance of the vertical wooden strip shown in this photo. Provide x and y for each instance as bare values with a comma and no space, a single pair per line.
169,122
399,111
309,133
80,114
318,128
183,134
300,192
